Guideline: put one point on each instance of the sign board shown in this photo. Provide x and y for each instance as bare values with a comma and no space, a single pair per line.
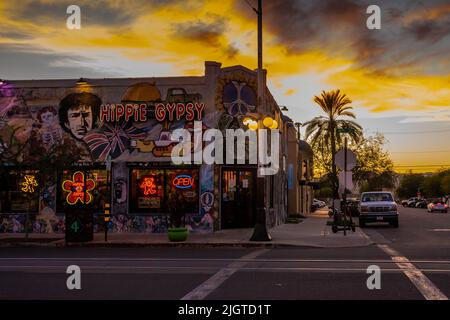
345,181
339,159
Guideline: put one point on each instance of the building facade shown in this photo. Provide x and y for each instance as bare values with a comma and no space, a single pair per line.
120,131
299,173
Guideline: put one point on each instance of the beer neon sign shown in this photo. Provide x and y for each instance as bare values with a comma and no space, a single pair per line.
79,189
183,181
148,186
29,184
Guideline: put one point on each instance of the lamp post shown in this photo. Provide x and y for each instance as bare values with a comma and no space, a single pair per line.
260,232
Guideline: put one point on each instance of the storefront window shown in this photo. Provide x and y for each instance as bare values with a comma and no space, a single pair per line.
12,196
81,186
147,192
183,189
157,190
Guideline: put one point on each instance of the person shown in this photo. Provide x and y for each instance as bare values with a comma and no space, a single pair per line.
78,113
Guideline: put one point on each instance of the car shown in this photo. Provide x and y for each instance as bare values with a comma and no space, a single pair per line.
412,202
409,202
378,206
437,205
319,203
422,203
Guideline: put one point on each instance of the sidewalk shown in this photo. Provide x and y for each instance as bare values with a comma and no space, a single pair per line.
311,232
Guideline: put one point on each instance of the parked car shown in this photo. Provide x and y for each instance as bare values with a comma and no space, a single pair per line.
409,202
319,203
412,202
422,203
437,205
378,206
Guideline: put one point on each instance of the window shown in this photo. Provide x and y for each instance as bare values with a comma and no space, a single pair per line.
147,191
94,181
158,190
13,198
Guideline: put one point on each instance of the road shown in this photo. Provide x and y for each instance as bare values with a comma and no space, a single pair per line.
414,262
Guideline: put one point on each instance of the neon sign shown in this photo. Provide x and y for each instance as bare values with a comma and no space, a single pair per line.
183,181
148,186
29,184
78,189
178,111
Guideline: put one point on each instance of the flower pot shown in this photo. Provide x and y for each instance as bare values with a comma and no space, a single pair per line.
178,234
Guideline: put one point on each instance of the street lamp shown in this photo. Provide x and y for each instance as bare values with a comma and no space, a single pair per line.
260,232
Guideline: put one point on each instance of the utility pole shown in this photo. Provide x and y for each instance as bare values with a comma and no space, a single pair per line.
260,232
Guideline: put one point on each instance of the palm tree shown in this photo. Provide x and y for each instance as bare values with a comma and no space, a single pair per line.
329,130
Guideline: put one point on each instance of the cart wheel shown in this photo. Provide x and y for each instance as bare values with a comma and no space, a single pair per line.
334,229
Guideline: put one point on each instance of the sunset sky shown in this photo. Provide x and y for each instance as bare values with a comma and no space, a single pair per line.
398,77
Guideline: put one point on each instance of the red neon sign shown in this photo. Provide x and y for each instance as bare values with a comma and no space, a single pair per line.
183,181
148,186
78,189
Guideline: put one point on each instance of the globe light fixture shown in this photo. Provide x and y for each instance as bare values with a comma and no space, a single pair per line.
274,125
247,121
253,125
268,122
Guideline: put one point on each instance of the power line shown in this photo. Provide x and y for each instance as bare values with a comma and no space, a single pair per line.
423,166
431,151
414,132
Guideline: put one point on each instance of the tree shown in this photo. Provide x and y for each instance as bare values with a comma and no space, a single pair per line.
327,130
375,169
410,184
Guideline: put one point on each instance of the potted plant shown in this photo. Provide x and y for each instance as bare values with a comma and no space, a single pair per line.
177,231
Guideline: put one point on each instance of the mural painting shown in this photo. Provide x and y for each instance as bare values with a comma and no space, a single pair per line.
235,98
74,120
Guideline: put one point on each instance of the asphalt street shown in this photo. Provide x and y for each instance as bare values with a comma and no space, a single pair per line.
414,262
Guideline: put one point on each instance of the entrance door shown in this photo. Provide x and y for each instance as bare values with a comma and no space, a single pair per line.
238,198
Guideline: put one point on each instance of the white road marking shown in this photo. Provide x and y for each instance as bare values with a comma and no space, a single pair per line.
204,289
422,283
439,230
222,260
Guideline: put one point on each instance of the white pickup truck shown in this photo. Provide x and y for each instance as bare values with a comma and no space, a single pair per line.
378,206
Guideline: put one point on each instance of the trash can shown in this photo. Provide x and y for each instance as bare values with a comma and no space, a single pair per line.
79,223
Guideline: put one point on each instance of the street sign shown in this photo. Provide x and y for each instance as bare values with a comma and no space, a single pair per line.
339,159
346,181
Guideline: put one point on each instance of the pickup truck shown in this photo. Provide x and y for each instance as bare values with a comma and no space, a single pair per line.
378,206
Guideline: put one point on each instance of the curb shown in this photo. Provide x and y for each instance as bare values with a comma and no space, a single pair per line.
266,245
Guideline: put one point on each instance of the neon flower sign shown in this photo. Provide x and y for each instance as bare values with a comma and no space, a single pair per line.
78,189
148,186
29,184
183,181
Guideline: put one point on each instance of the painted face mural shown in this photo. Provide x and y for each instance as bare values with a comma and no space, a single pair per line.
120,191
78,113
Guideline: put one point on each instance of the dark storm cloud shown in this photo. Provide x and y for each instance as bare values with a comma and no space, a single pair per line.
15,34
430,30
208,33
93,12
338,27
25,62
99,12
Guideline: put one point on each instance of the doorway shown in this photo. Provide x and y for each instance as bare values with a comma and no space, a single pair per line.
238,198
